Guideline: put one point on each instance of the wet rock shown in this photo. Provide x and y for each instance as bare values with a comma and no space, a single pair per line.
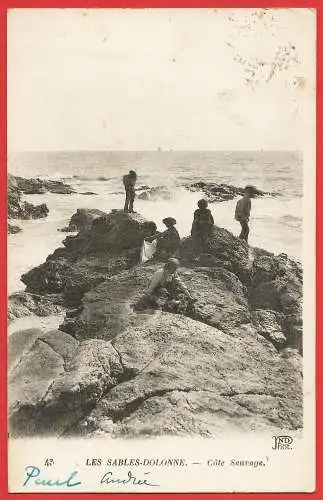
221,192
21,304
40,186
19,209
49,277
83,219
14,198
13,229
31,211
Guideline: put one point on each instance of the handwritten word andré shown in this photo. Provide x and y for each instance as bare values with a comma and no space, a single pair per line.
131,479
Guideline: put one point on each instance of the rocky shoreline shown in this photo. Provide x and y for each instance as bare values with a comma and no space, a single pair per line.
19,209
233,364
41,186
215,192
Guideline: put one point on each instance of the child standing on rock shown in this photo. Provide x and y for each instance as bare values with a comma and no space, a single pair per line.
129,182
242,212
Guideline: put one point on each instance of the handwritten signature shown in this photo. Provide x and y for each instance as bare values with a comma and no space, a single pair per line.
33,477
108,478
33,472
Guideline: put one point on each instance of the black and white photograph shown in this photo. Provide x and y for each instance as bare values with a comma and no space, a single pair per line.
161,235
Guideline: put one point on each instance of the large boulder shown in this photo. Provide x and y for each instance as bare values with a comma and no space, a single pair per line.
110,245
224,250
113,232
83,219
192,379
54,379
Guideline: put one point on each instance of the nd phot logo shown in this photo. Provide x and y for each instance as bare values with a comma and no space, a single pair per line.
282,442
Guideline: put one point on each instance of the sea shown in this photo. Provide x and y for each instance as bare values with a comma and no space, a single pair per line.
275,223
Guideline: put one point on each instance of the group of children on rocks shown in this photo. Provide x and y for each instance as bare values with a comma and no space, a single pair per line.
166,290
203,220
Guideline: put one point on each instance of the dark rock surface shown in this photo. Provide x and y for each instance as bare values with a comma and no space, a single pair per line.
22,304
12,229
18,209
221,192
40,186
83,218
111,245
231,363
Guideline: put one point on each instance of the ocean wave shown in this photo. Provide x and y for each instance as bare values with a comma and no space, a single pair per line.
102,178
80,177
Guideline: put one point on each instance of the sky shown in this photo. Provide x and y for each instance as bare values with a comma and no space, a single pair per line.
182,79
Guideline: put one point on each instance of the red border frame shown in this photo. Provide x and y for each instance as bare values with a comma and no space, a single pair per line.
7,4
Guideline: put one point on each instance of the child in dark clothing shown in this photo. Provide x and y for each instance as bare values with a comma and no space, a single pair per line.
129,182
242,212
203,223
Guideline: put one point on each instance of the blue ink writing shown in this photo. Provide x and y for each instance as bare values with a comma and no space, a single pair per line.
33,472
130,479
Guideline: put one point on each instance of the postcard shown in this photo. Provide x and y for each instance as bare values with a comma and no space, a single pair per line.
161,250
